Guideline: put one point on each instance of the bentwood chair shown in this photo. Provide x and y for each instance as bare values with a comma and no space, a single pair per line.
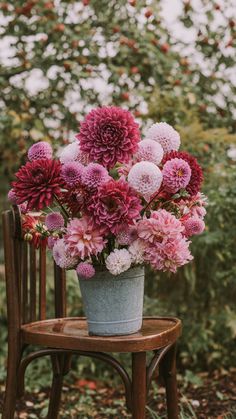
62,337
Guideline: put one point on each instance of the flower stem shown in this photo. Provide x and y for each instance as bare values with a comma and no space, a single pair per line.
66,214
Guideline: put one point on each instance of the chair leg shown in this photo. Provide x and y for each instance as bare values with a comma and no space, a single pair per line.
138,385
59,363
168,368
13,360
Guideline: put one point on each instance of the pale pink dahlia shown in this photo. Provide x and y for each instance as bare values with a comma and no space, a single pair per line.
72,173
150,150
94,175
127,236
137,251
146,178
115,205
12,197
85,270
83,239
118,261
51,241
40,150
161,225
71,153
193,226
165,135
109,135
176,175
63,256
168,255
54,221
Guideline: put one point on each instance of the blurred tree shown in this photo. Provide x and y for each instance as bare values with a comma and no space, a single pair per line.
67,56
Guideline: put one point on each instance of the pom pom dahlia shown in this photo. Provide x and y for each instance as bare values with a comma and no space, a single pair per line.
114,206
193,226
109,135
165,135
83,239
85,270
146,178
40,150
118,261
176,175
62,255
196,171
71,153
12,197
150,150
37,183
72,173
54,221
94,175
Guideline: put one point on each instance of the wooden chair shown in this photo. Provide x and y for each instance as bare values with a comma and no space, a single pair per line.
62,337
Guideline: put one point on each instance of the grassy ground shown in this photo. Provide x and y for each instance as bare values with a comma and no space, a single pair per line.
202,396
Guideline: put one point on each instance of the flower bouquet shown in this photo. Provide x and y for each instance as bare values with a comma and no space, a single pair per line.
112,203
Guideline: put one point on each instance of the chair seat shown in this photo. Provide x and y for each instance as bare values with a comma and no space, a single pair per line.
72,333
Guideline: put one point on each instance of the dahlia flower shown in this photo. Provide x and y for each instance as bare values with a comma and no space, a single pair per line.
83,239
114,206
72,173
145,178
40,150
168,255
165,135
51,241
94,175
196,171
12,197
137,251
54,221
37,183
85,270
150,150
34,230
176,175
193,226
126,236
161,225
109,135
62,255
71,153
118,261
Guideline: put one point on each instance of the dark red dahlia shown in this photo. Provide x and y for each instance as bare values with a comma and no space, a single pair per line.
76,199
37,183
115,206
196,171
109,135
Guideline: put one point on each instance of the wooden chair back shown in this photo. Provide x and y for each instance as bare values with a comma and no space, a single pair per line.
26,273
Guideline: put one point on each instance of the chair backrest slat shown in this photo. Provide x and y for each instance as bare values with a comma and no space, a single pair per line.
33,280
42,283
24,283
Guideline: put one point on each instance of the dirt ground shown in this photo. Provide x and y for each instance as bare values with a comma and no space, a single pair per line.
203,396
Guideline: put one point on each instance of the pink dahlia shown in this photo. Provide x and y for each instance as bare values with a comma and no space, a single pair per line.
109,135
12,197
54,221
137,251
145,178
168,255
40,150
165,135
150,150
37,183
196,171
83,239
161,225
176,175
85,270
51,241
72,173
62,255
193,226
115,205
71,153
127,236
94,175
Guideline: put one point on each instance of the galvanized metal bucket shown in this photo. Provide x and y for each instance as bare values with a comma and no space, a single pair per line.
113,305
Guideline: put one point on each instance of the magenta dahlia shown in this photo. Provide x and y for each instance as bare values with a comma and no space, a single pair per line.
115,205
54,221
85,270
109,135
72,172
193,226
40,150
176,175
37,183
196,171
94,175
